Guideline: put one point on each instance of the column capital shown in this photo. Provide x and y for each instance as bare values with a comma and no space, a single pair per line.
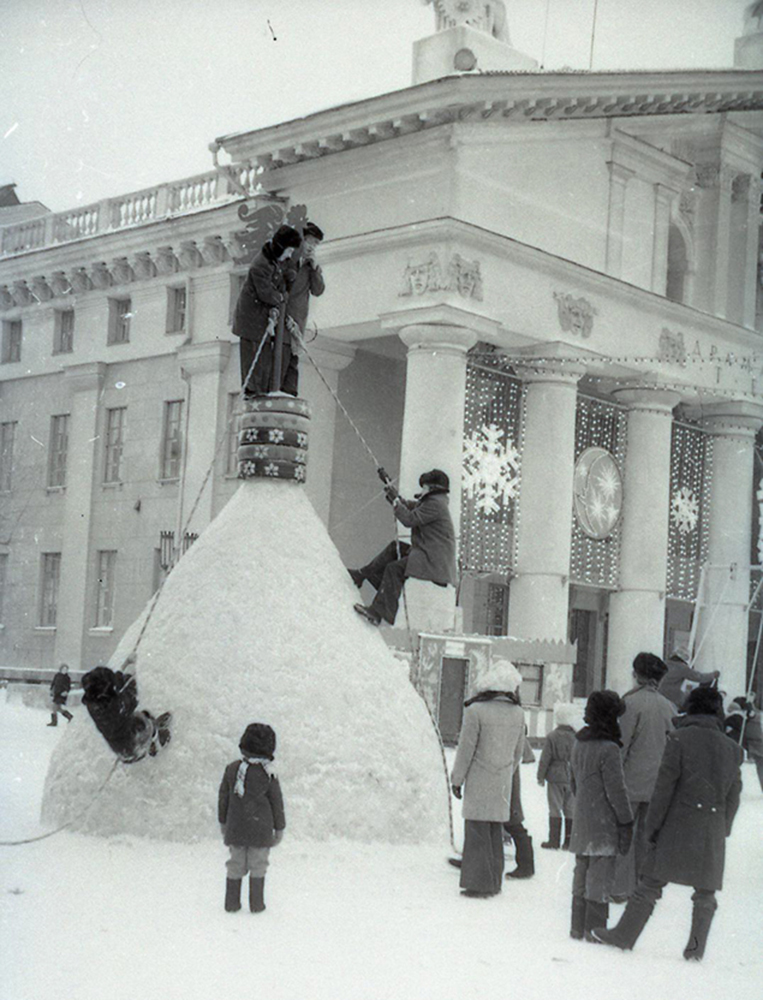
85,377
208,356
556,372
619,172
329,353
437,337
648,399
731,418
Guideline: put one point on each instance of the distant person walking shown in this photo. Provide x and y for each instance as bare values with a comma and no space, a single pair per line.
60,687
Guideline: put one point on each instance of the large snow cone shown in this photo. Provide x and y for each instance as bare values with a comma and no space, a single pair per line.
255,624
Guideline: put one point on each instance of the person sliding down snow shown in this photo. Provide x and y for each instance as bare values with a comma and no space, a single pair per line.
430,556
111,698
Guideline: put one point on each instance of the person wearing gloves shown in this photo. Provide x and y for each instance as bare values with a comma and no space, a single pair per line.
430,556
691,813
489,752
251,815
603,823
554,772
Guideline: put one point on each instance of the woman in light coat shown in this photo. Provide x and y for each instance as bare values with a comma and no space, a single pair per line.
489,750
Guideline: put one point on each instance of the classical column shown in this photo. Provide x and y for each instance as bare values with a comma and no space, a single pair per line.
721,639
433,433
201,365
618,180
331,357
637,610
663,196
74,616
751,251
539,597
723,241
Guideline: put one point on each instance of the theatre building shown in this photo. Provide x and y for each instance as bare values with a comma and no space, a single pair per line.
544,283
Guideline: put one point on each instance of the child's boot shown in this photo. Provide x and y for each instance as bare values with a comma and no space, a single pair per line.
67,715
701,918
596,915
53,719
567,833
525,859
232,895
554,833
256,895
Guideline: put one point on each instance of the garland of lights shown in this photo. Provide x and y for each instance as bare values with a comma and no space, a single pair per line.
689,521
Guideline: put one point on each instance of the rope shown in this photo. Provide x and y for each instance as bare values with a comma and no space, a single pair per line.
445,769
64,826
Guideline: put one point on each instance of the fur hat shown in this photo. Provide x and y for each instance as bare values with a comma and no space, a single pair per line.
603,709
435,477
99,683
680,652
649,667
704,700
283,238
259,740
567,714
310,229
501,675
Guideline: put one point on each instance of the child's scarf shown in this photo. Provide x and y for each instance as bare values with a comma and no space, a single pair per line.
243,767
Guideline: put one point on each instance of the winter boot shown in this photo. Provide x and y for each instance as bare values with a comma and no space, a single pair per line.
554,833
256,895
596,915
67,715
357,577
632,923
567,833
232,895
577,924
701,918
53,719
525,859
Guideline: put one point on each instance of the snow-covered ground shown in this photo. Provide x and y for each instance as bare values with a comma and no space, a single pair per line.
86,918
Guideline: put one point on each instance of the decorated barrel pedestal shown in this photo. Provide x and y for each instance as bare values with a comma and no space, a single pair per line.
272,438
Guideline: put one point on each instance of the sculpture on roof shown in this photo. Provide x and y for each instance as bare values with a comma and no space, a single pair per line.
484,15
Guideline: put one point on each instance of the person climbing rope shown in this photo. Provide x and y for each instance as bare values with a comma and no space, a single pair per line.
111,698
430,556
262,298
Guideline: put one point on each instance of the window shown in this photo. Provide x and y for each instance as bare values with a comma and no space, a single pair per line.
11,341
3,583
532,683
7,437
231,459
63,334
59,444
51,574
176,307
120,313
104,595
171,440
115,426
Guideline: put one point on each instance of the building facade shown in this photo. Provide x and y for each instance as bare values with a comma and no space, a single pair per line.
545,284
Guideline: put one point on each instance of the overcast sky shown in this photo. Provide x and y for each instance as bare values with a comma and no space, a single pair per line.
101,97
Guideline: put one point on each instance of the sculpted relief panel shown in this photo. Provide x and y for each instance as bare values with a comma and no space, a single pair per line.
428,275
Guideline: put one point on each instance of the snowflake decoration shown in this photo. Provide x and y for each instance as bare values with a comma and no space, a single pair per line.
299,473
300,458
491,468
275,436
301,439
608,482
684,510
261,450
271,469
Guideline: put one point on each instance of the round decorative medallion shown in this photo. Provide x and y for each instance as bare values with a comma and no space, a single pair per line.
598,492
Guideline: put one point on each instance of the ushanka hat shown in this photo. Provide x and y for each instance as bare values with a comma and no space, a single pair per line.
435,477
283,238
259,740
310,229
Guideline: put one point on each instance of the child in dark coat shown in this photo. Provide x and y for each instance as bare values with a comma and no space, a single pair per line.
59,691
554,771
603,824
251,814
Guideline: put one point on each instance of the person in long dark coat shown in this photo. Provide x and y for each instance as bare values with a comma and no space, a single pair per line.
60,687
304,278
603,822
488,755
264,292
430,556
690,815
645,725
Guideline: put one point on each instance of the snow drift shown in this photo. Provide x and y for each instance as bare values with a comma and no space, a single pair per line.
255,624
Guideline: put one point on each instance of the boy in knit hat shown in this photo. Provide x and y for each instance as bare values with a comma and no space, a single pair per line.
554,771
251,815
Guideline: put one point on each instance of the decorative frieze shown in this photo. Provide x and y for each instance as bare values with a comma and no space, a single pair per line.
166,261
80,280
100,275
461,276
41,289
60,284
22,294
672,348
575,314
189,255
121,271
143,266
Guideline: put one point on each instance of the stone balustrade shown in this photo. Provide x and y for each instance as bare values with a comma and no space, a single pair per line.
191,194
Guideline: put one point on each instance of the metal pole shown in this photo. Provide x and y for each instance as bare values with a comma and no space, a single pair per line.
275,381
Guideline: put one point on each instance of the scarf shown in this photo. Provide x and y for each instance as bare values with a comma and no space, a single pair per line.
510,696
243,767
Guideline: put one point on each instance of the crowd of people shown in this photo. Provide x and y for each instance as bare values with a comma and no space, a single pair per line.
643,794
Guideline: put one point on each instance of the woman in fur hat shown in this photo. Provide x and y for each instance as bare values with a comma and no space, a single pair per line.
603,823
251,814
488,754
